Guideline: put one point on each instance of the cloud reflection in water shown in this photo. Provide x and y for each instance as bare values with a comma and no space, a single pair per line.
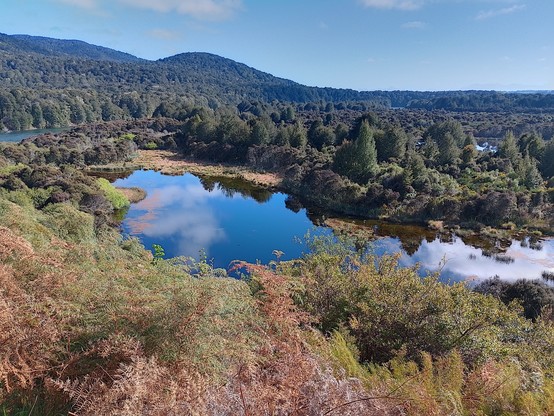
184,217
180,214
463,262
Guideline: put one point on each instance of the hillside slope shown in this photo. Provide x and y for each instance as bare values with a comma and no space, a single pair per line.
74,82
63,48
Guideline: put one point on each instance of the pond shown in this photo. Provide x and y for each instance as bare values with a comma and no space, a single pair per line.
230,220
17,136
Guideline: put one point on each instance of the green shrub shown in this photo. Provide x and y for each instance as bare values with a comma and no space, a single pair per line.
127,136
116,197
388,308
69,223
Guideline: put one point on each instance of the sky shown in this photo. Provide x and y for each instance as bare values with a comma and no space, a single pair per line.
358,44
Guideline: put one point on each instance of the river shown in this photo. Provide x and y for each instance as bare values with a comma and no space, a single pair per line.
230,220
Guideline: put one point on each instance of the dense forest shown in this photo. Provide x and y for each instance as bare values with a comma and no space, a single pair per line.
344,161
50,82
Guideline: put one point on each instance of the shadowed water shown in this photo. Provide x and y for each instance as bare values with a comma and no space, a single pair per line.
17,136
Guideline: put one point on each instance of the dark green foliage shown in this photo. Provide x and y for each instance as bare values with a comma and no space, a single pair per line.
320,136
392,144
298,137
547,161
259,133
529,173
358,160
50,70
535,296
508,149
531,144
449,138
341,133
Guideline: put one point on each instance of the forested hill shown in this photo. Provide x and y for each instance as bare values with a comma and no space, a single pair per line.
48,82
61,48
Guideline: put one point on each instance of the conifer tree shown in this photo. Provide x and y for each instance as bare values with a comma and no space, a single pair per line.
508,149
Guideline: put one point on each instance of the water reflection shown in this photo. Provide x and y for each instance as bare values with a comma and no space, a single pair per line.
180,213
228,221
17,136
231,187
233,220
458,261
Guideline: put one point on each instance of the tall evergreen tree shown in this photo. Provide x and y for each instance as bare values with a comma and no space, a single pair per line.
529,173
392,143
508,149
533,144
547,160
358,160
298,137
448,150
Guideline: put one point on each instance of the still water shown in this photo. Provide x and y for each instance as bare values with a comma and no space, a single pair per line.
17,136
233,221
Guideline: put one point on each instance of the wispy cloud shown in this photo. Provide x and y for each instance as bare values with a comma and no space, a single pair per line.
416,24
487,14
163,34
393,4
199,9
85,4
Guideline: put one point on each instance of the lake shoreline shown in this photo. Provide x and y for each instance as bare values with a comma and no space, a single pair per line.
231,220
172,163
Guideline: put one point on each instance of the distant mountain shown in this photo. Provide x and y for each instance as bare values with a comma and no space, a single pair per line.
62,48
74,81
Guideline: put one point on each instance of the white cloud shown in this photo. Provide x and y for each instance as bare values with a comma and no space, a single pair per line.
199,9
393,4
417,24
487,14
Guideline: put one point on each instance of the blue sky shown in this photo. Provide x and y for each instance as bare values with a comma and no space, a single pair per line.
359,44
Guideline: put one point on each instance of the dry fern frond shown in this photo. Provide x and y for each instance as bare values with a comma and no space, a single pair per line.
27,335
12,245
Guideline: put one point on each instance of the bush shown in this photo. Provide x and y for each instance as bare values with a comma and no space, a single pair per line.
534,295
116,197
151,146
68,223
388,308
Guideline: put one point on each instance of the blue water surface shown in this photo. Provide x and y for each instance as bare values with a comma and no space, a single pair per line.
185,215
184,218
17,136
